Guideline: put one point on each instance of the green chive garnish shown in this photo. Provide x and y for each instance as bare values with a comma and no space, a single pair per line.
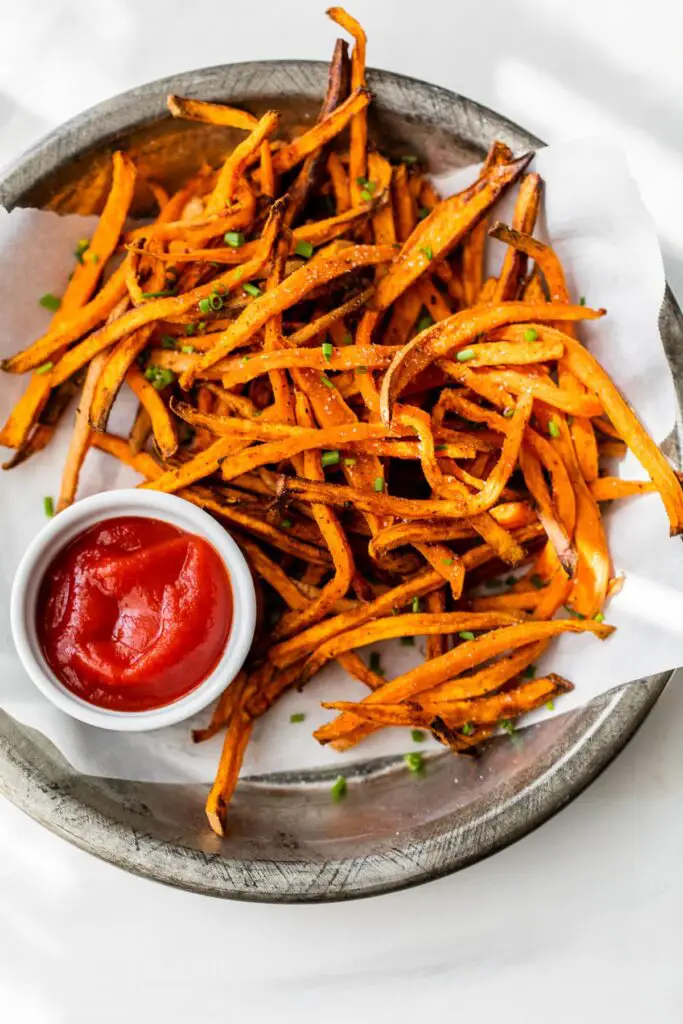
409,158
467,729
415,761
159,377
466,634
508,412
422,213
379,484
49,506
530,334
371,186
167,341
350,462
329,459
187,349
201,326
50,301
428,251
338,791
550,705
447,561
424,322
537,581
298,716
529,672
215,302
553,429
190,329
582,300
416,604
324,379
82,246
507,725
45,368
252,289
304,249
235,239
163,294
328,349
286,523
376,663
465,355
599,617
417,736
204,306
366,196
407,641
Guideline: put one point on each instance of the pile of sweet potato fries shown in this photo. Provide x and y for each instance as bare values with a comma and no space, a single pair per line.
321,364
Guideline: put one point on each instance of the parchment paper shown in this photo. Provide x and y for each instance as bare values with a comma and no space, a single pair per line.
607,243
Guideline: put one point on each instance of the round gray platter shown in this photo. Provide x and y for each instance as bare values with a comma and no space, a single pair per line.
287,842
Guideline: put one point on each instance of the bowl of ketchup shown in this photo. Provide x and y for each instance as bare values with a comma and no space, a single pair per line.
132,610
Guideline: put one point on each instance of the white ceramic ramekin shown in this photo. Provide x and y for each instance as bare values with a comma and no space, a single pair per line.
67,525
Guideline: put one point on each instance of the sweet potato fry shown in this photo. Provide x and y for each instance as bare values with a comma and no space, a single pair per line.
322,133
210,113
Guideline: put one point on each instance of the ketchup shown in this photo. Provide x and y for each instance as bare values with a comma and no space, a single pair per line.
134,613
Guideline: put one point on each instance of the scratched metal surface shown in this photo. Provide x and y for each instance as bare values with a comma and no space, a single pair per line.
287,842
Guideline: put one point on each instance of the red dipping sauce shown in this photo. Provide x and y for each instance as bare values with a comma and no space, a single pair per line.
134,613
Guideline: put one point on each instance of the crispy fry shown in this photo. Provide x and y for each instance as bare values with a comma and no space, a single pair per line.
210,113
321,133
160,417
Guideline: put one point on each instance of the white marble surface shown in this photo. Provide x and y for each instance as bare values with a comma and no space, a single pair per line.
579,921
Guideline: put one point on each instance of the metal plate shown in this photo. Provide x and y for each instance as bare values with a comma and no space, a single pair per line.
287,842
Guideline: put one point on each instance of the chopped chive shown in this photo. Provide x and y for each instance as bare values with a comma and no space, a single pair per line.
304,249
376,663
50,301
417,736
550,705
599,617
338,790
82,246
204,306
201,326
416,604
298,716
511,580
508,412
190,329
163,294
582,300
235,239
49,506
330,459
92,257
324,379
366,195
507,725
422,212
407,641
530,334
215,302
447,561
424,322
467,729
415,761
409,158
466,634
350,462
187,349
167,341
371,186
553,428
347,339
537,581
529,672
252,289
159,377
285,524
328,349
379,484
428,251
465,355
45,368
573,613
440,447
